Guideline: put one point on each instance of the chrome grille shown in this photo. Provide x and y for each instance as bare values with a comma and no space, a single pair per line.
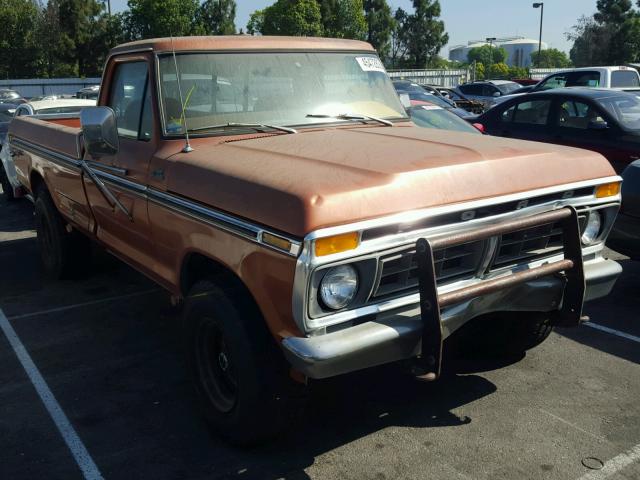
526,245
399,270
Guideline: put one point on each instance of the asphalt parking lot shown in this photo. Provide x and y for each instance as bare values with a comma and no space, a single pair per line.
107,350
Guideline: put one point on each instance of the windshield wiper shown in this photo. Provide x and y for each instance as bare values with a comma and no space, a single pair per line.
256,126
352,116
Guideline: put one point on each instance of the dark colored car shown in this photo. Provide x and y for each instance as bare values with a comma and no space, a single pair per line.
90,93
461,101
10,96
625,236
417,93
429,115
605,121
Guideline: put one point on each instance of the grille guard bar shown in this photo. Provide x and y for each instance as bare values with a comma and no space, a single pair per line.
570,269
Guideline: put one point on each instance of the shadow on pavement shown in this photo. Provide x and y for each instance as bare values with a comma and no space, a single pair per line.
624,300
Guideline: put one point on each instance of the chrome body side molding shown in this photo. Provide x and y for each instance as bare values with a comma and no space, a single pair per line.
216,218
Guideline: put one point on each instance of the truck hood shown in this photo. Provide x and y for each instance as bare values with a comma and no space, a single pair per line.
297,183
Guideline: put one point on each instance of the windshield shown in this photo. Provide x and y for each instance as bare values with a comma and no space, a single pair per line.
624,108
9,95
274,88
433,116
507,88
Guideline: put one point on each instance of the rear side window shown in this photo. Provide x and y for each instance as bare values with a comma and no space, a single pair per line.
624,78
127,96
471,89
534,112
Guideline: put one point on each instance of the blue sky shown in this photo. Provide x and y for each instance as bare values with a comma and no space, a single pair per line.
477,19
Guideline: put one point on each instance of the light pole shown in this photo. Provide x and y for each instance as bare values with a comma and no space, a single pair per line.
540,5
490,40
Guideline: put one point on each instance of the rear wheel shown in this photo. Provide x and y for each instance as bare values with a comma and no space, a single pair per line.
240,376
63,253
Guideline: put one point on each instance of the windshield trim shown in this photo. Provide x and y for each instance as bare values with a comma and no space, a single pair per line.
173,136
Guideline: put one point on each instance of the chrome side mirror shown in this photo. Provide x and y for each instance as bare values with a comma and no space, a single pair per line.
100,131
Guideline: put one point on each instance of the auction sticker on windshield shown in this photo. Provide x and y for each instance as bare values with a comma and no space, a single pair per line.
370,64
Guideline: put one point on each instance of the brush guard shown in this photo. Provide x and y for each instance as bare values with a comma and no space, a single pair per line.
570,269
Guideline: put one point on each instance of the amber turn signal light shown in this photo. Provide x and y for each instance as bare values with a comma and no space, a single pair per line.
337,243
607,189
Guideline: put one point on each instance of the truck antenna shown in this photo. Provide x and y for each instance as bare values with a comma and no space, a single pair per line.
187,147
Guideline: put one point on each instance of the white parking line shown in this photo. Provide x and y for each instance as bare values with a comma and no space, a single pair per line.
84,304
628,336
69,435
614,465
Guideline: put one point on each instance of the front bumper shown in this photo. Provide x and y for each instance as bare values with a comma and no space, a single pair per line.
397,335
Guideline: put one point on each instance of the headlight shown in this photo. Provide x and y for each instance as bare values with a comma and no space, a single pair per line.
338,286
592,228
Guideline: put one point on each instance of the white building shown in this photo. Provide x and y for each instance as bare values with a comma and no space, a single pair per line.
519,50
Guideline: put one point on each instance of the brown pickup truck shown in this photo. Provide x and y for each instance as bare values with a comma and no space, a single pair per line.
277,186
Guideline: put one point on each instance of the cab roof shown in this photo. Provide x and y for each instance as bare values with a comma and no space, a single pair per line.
242,42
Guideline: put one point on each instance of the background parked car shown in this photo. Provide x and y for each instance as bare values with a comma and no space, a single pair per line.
6,114
589,77
487,92
461,101
605,121
625,235
90,93
429,115
10,96
416,92
59,108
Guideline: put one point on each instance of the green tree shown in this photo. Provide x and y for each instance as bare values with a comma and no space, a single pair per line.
18,38
162,18
256,22
288,17
216,17
380,25
487,54
518,72
550,58
610,36
425,33
399,39
499,70
343,19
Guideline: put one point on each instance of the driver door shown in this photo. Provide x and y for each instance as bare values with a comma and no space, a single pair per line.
124,227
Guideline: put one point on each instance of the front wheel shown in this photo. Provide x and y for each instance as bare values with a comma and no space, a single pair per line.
240,376
504,334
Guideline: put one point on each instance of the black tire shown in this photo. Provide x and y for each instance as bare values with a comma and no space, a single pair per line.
64,254
505,334
7,189
240,376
